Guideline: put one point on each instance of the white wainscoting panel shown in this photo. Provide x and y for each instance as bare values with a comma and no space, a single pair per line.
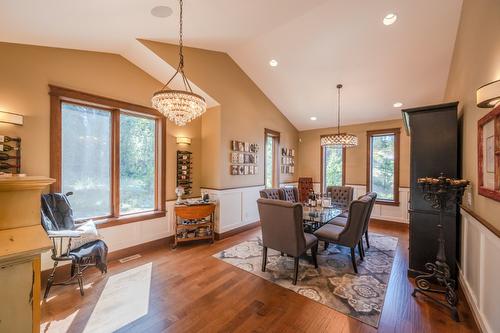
388,212
131,234
480,272
235,207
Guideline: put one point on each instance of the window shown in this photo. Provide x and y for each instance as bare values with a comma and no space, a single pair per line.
332,167
86,159
383,165
109,154
271,166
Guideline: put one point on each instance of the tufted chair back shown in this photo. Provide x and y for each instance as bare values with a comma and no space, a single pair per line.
271,193
341,195
290,194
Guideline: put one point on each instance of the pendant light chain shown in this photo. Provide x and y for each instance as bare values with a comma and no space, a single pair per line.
345,140
179,106
338,108
181,55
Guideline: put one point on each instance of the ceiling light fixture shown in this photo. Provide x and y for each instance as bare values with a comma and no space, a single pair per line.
340,139
397,104
179,106
161,11
273,62
390,19
313,118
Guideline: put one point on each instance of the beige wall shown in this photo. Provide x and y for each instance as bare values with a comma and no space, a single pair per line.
26,71
310,152
476,61
244,112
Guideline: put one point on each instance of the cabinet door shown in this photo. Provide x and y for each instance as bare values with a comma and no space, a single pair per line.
16,281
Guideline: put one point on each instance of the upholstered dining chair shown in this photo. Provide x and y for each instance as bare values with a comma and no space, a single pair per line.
341,195
282,230
271,193
342,220
290,194
351,234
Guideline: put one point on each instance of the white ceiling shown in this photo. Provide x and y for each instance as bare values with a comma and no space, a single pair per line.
318,44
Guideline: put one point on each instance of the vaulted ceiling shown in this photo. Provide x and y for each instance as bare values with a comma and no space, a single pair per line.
317,43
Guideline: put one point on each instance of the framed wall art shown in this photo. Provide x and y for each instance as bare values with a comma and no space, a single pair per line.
488,151
243,158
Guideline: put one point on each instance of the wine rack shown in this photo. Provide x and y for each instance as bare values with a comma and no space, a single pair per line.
10,154
185,171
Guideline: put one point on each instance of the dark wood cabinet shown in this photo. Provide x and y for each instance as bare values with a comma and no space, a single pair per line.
434,148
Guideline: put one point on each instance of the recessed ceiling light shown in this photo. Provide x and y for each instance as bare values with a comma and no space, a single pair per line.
397,104
313,118
273,62
390,18
161,11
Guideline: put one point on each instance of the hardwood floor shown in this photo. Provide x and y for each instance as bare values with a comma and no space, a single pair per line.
190,291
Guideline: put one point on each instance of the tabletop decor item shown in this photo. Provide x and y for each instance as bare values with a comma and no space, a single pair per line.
442,193
179,191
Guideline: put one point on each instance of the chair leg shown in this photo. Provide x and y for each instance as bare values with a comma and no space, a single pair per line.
353,258
314,252
296,270
360,250
367,241
282,254
326,246
264,258
79,277
50,280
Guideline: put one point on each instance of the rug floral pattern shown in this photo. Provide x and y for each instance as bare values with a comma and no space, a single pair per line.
333,283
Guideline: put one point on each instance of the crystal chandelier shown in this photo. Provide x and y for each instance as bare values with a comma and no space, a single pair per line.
340,139
179,106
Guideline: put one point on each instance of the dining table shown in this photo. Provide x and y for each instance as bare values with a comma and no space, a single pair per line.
317,216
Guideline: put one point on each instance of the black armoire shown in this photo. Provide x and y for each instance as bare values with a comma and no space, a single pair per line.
434,144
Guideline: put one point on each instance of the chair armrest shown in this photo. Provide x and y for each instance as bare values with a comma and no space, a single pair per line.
63,233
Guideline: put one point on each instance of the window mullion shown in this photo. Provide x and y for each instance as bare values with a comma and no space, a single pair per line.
115,169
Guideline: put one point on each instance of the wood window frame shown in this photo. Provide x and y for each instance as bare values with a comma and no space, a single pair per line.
276,164
397,133
492,193
322,165
59,95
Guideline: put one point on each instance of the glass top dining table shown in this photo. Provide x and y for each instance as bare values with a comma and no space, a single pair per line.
315,217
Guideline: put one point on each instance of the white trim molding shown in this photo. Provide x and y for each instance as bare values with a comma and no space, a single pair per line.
479,272
391,213
235,207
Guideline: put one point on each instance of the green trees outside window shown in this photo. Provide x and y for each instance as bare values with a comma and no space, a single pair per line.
333,166
383,166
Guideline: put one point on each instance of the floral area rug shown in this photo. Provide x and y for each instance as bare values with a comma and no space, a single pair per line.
334,282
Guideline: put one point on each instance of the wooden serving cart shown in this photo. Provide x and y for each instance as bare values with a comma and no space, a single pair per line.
194,222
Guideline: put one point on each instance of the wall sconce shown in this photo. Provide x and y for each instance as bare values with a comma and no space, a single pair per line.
11,118
183,141
488,95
